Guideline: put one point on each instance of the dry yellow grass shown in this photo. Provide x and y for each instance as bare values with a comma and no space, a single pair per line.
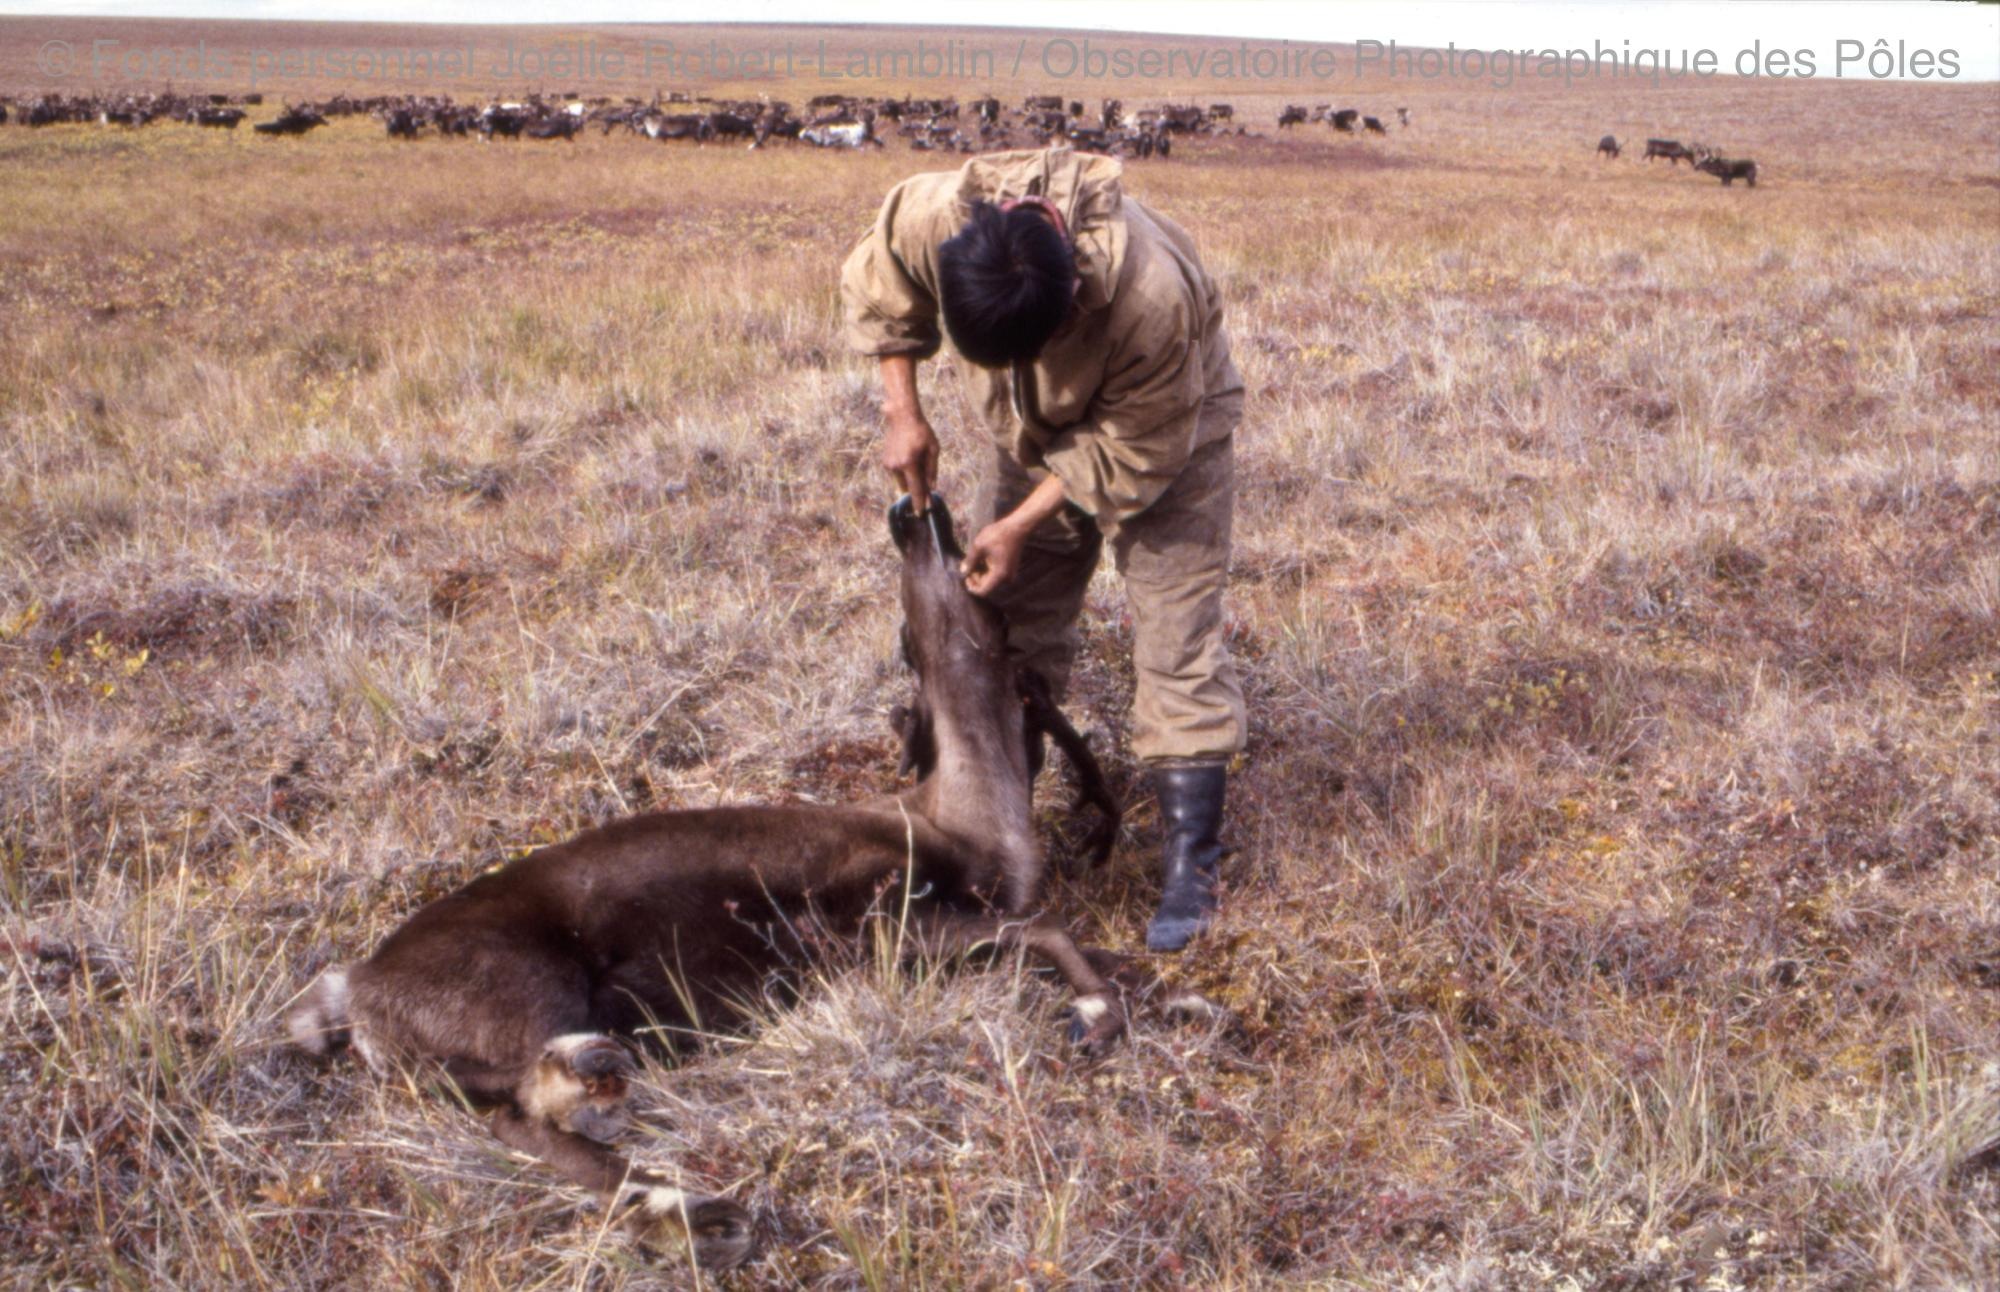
1614,900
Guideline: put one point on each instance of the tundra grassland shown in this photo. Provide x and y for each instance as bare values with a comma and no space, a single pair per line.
1615,888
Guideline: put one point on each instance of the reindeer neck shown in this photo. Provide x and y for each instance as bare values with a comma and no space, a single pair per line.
979,792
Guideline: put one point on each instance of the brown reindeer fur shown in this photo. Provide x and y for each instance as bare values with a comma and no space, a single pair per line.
517,983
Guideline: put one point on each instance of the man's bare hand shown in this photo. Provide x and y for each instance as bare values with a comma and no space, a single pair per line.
995,554
910,453
994,557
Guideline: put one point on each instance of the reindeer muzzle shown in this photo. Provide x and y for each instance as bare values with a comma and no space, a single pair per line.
905,524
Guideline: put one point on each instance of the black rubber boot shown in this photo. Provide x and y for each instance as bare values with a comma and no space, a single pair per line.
1191,813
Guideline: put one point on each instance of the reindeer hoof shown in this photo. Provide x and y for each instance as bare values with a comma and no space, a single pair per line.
1186,1006
590,1057
716,1230
1103,836
1091,854
581,1084
1095,1024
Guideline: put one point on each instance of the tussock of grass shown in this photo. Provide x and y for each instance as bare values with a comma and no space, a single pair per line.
1613,897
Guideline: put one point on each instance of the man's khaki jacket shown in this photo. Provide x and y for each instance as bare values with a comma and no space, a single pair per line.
1136,379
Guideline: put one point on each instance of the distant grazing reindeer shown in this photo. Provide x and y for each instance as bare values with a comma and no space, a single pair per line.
293,121
213,117
1608,146
517,982
1672,149
562,126
851,134
1727,170
682,125
1292,115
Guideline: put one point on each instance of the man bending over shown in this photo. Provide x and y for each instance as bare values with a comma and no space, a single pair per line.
1092,351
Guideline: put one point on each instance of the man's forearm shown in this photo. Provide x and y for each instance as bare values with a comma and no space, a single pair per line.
909,448
1044,501
899,387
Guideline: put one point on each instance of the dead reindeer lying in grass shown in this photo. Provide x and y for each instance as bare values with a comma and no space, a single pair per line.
518,982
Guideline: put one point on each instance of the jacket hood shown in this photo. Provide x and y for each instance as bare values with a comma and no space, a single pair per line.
1083,186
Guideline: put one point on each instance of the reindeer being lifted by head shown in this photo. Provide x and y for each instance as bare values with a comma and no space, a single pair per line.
520,983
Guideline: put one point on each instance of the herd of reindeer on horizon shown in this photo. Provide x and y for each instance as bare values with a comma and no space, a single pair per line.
946,124
827,121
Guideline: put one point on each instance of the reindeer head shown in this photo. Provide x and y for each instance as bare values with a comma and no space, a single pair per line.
946,630
956,643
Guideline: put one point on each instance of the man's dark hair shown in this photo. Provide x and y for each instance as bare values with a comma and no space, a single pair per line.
1005,281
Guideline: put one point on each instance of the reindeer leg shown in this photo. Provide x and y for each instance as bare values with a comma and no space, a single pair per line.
1097,1015
1046,716
716,1230
1141,985
563,1108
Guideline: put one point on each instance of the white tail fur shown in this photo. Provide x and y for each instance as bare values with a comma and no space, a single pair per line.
318,1024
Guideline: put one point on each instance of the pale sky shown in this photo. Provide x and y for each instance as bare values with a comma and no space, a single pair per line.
1973,31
